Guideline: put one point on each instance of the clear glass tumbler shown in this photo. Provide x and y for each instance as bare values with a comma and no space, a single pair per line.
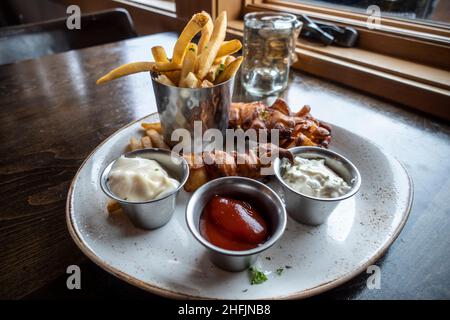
269,48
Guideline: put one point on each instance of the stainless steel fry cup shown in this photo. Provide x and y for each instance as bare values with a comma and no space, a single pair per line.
181,107
312,210
155,213
259,195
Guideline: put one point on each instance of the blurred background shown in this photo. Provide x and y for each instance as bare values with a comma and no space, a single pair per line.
14,12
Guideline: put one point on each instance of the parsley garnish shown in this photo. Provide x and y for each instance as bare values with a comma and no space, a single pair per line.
279,271
256,276
191,49
268,258
220,69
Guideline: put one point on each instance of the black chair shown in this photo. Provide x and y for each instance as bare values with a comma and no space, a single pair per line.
37,39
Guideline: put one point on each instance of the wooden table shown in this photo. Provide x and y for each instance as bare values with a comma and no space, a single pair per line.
52,116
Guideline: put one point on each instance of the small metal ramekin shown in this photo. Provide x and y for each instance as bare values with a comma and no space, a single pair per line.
267,201
180,108
313,210
151,214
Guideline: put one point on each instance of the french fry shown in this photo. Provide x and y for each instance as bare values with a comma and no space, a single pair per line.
209,54
154,126
127,69
135,144
206,34
227,48
194,26
191,81
214,71
159,54
198,176
174,76
206,84
228,60
229,71
188,62
113,206
166,66
162,78
146,142
157,140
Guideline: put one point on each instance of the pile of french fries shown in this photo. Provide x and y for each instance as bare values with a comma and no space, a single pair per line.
202,65
152,138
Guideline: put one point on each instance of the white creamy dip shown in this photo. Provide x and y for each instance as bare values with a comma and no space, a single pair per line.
139,179
313,178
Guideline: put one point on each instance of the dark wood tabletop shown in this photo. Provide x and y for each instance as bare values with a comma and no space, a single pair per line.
52,115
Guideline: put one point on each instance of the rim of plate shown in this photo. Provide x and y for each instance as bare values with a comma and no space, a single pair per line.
84,247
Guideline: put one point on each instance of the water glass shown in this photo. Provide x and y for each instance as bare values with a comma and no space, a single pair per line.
269,48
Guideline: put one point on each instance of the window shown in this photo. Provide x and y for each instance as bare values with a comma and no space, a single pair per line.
435,11
403,59
166,5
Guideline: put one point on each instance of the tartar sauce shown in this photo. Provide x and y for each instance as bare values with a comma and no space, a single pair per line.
139,179
313,178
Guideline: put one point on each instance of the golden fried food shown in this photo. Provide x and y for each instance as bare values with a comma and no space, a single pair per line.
229,71
206,34
295,129
209,53
159,54
146,142
113,206
194,26
127,69
190,81
154,126
162,78
157,140
227,48
188,64
212,165
135,144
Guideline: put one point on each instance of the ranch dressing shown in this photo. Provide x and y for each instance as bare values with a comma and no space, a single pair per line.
313,178
139,179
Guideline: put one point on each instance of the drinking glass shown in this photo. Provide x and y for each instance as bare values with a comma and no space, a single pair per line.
269,48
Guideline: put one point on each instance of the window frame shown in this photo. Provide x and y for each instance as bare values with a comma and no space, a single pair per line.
168,6
389,23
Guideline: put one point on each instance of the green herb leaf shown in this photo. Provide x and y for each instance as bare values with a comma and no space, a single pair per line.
191,49
220,69
257,276
268,258
279,271
287,267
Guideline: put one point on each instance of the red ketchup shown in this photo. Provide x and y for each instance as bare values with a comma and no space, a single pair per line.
232,224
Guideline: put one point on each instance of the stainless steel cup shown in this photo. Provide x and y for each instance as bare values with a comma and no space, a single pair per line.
258,194
151,214
181,107
312,210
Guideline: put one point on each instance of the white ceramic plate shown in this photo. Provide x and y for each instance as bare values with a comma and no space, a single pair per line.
170,262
